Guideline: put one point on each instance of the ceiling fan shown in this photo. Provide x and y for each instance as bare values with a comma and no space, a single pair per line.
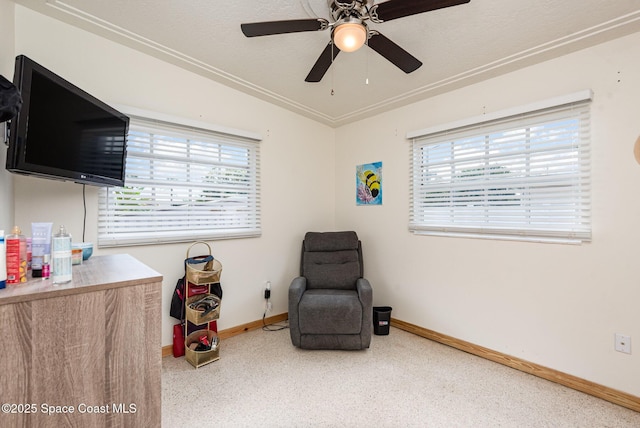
349,30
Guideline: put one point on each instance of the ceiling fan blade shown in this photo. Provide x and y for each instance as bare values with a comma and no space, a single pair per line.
323,63
393,9
394,53
281,27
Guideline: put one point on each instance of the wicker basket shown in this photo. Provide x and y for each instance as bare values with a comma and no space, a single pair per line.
195,316
206,272
200,358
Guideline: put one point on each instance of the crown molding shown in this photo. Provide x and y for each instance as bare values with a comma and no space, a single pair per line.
612,29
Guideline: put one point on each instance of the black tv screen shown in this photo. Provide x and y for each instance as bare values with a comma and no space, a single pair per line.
64,133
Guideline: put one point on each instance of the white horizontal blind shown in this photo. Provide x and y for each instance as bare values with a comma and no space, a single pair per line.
519,177
182,184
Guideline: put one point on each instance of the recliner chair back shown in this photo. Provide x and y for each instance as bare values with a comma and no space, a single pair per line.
331,260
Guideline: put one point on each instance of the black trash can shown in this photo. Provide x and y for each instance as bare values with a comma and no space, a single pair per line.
381,320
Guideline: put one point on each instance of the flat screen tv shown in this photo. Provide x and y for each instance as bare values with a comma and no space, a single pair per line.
64,133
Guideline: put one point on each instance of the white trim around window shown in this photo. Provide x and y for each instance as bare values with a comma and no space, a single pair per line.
519,174
185,181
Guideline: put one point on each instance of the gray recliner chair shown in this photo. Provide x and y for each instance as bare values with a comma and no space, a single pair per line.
330,303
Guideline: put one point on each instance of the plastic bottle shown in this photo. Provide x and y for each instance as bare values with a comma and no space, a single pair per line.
12,258
61,256
46,269
3,261
29,253
16,257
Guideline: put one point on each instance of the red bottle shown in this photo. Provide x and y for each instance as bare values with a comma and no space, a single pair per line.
16,257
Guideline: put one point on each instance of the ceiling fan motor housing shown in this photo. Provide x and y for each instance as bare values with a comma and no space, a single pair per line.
341,10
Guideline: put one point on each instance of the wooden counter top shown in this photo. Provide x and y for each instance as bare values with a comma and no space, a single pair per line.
97,273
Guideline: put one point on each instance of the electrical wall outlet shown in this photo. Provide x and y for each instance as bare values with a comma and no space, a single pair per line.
267,290
267,296
623,343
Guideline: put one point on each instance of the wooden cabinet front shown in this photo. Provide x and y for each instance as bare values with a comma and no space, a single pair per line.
90,357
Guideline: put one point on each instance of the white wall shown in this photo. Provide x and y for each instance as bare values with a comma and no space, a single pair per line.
554,305
6,69
295,152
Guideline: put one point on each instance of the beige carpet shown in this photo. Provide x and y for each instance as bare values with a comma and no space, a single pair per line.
402,380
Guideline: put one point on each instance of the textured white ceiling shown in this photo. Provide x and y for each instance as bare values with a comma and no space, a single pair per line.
458,45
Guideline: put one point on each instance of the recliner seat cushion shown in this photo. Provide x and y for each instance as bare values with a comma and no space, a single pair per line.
330,312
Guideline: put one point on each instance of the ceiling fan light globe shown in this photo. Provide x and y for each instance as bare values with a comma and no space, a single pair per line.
350,37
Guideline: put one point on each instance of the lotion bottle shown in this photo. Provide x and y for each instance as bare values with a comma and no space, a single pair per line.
41,245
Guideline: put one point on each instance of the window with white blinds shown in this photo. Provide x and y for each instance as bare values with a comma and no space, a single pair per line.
519,176
182,184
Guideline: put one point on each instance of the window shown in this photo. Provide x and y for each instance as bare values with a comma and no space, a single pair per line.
183,183
522,174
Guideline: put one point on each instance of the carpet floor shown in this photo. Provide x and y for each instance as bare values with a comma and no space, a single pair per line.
402,380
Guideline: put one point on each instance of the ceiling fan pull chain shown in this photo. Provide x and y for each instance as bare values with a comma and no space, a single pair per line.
366,80
332,57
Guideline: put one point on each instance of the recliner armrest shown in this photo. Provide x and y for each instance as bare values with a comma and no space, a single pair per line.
297,289
365,292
